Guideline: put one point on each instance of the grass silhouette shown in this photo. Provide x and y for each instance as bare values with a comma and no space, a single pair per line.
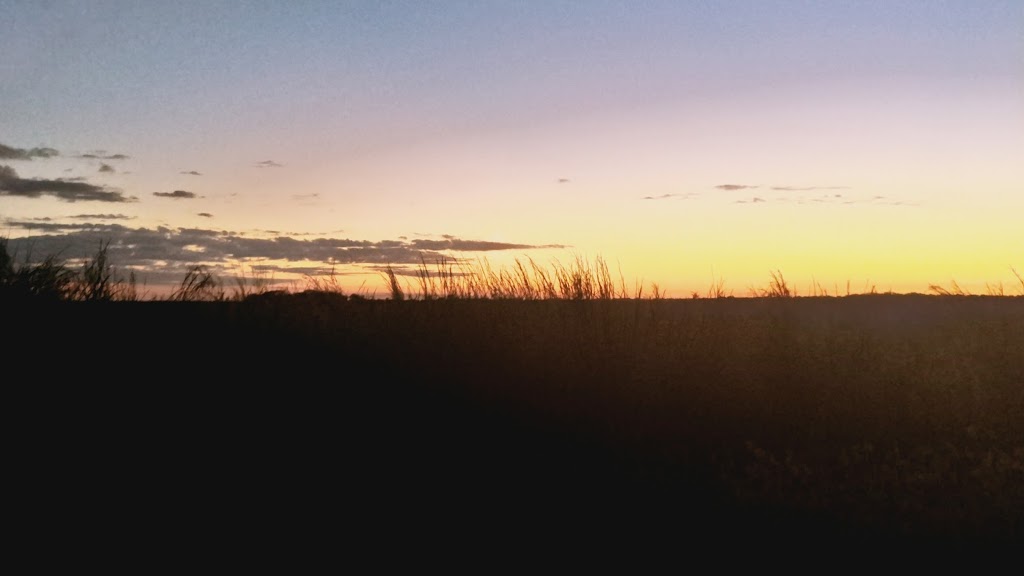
560,400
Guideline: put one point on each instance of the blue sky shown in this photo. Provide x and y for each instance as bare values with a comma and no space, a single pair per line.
875,142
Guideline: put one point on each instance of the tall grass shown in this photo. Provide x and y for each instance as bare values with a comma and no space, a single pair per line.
99,280
447,278
199,284
896,413
48,280
53,280
580,279
247,286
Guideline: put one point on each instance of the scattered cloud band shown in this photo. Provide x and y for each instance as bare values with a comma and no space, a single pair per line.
67,190
11,153
177,194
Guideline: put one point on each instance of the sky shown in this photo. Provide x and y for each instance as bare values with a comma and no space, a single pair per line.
684,143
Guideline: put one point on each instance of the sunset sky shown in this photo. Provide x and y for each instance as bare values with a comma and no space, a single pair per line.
875,143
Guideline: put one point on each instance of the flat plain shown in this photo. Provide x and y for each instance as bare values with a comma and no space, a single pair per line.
838,422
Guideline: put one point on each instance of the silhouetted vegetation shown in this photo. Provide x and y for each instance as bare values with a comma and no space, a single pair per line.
564,400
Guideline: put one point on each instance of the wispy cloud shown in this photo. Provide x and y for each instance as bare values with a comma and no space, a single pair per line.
190,173
820,195
669,196
808,188
101,155
10,153
68,190
101,217
563,180
734,187
205,215
268,164
459,245
823,198
884,201
106,168
177,194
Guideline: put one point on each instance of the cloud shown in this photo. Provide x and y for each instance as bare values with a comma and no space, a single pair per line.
884,201
175,194
459,245
667,196
563,180
190,173
808,188
68,190
205,215
305,196
268,164
825,198
9,153
106,168
104,156
162,256
734,187
101,217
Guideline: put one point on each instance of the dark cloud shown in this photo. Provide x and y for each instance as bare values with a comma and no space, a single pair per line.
268,164
458,245
9,153
106,168
164,255
175,194
190,173
104,156
205,215
101,217
305,270
417,271
732,187
563,180
68,190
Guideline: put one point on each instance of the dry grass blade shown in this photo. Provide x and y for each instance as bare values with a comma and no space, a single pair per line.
777,288
953,290
717,288
199,284
394,287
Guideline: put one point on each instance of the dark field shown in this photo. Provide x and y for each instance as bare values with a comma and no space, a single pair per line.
843,424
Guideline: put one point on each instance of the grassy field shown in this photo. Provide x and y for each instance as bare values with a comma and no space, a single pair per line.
572,412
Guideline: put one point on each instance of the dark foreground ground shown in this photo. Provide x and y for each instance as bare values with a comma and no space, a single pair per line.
390,430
